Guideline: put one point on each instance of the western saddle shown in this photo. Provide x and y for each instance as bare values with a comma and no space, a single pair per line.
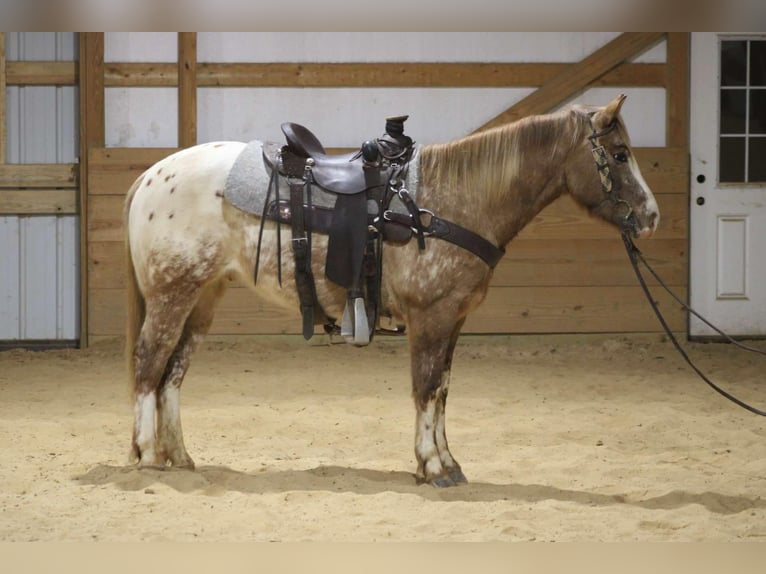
363,184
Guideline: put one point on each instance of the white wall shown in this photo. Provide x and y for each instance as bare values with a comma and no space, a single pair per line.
344,117
39,267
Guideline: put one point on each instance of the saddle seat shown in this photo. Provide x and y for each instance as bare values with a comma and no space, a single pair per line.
344,174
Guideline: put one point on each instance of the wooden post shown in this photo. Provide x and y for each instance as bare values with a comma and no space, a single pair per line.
2,98
677,90
576,78
92,135
187,89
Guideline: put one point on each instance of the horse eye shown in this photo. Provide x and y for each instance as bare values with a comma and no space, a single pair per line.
621,156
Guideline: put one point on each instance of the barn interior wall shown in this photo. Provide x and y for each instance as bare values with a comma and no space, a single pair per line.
39,258
565,272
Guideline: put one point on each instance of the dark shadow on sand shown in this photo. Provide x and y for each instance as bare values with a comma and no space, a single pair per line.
217,480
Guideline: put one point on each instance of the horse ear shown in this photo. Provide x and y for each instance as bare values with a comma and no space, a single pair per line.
606,116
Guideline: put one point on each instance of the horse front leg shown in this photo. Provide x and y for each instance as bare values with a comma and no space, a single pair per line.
431,351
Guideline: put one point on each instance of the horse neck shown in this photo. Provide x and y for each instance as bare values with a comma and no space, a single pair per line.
498,181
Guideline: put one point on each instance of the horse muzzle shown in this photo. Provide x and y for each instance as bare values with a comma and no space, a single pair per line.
642,228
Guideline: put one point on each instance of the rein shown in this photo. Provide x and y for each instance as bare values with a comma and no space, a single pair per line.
635,256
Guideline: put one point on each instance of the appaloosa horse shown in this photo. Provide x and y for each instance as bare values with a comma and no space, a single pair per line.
185,241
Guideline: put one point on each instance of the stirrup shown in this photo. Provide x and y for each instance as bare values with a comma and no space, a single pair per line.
354,326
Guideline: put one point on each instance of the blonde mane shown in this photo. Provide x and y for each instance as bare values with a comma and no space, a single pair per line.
492,160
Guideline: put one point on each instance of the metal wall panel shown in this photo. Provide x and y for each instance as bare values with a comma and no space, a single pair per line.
39,265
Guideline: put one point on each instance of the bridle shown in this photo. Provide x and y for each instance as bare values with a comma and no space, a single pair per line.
605,174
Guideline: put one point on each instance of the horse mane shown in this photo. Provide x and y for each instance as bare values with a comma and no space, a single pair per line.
465,163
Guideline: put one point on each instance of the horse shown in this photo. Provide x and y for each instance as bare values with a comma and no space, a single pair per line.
185,242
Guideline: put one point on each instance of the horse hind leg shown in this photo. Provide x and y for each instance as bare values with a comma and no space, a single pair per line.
160,333
170,440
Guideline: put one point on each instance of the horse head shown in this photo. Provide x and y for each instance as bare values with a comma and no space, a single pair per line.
603,175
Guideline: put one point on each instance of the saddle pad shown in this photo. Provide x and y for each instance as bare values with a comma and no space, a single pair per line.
248,181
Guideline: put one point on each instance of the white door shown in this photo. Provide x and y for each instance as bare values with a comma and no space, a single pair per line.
728,184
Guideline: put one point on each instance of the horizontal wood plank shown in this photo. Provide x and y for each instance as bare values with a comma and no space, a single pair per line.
48,175
665,169
113,170
38,201
573,310
587,262
41,73
563,219
556,262
506,310
372,74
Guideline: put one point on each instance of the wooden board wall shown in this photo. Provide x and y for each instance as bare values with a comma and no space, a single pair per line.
565,273
34,189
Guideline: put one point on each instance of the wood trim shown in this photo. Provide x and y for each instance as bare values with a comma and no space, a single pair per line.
576,78
563,219
3,83
92,134
187,89
382,74
551,263
38,201
38,175
677,89
529,309
42,73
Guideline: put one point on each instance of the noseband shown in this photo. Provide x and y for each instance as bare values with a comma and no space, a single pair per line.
602,167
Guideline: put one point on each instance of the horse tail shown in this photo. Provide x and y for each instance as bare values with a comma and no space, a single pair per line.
135,305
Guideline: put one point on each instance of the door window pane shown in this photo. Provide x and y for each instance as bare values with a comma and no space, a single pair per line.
733,111
731,160
733,62
757,112
757,160
742,111
758,63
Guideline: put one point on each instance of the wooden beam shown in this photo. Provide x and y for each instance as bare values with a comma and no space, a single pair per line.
92,134
38,175
576,78
530,309
382,74
187,89
41,73
677,90
2,98
38,201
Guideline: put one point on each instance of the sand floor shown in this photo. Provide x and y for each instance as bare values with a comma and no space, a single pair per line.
562,438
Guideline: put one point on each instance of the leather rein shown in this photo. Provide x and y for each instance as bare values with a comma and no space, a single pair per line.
634,254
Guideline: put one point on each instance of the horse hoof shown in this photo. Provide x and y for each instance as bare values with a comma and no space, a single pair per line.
457,476
442,482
